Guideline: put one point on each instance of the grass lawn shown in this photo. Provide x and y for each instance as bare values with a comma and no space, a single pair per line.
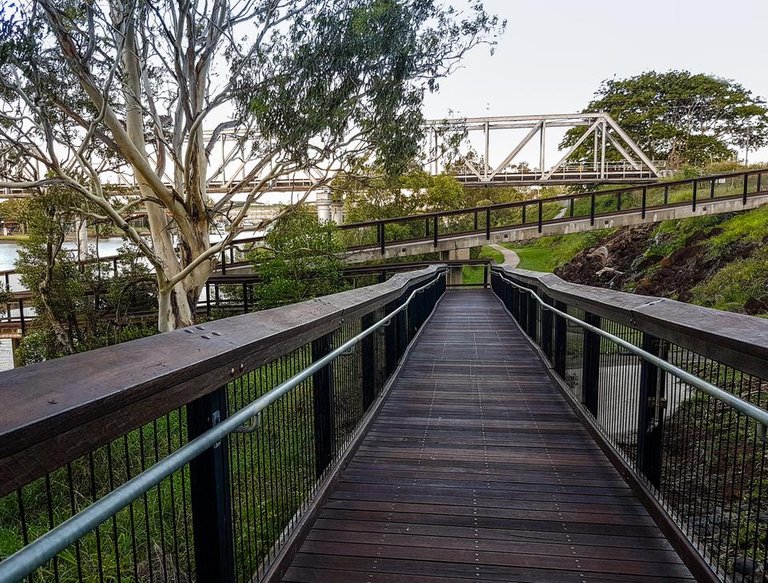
474,273
535,258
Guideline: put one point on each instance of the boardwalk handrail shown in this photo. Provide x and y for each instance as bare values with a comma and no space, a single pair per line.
676,395
758,414
96,429
485,220
37,553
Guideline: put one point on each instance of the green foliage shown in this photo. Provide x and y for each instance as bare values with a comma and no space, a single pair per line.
79,306
370,194
549,253
302,260
671,235
739,286
750,228
681,117
357,64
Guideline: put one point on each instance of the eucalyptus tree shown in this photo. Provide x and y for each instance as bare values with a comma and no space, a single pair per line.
90,90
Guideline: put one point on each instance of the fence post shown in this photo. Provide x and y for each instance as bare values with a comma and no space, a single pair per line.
561,340
487,224
368,350
533,307
546,328
390,340
592,209
210,499
645,200
746,188
695,192
650,423
381,238
590,372
541,215
322,397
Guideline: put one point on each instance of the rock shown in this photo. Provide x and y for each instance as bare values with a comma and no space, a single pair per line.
745,565
755,306
601,254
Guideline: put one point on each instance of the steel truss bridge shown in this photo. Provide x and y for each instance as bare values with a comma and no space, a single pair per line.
616,158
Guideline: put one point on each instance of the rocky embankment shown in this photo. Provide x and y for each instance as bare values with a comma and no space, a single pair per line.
716,261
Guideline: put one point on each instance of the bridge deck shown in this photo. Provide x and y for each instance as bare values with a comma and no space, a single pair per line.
477,469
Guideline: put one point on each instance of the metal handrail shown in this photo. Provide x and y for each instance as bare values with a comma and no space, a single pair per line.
47,546
756,413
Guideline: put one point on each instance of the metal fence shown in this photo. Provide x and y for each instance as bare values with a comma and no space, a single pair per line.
676,395
199,469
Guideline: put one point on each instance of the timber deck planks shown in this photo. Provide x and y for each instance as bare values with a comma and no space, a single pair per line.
477,469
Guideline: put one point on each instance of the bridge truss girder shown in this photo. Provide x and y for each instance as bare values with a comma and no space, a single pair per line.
604,130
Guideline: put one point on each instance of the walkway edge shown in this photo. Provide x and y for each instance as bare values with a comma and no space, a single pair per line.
699,567
289,544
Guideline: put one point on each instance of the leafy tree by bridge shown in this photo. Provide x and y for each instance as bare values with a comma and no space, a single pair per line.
681,117
89,88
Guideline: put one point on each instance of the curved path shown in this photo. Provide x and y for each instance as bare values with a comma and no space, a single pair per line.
511,259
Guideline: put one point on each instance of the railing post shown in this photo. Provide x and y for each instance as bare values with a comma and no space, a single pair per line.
666,195
426,228
546,328
245,298
210,499
572,205
475,219
712,188
322,397
434,228
208,299
533,307
759,182
485,276
381,238
650,423
402,328
390,340
368,350
561,340
618,203
541,215
523,218
746,188
487,224
592,209
223,262
695,191
645,200
22,320
590,371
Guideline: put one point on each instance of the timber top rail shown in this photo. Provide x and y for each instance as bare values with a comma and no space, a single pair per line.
46,423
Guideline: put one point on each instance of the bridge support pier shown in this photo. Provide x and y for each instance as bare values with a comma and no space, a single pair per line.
455,273
14,348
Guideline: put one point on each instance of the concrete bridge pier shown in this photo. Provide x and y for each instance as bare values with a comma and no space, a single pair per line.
328,209
455,274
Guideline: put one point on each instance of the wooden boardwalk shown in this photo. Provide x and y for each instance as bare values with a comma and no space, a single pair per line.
477,469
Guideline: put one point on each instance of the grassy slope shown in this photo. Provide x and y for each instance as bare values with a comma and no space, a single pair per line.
549,253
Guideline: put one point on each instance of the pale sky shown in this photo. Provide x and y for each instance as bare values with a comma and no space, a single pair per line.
555,53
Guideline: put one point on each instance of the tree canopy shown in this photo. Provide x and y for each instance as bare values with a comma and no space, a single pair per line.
682,117
97,90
